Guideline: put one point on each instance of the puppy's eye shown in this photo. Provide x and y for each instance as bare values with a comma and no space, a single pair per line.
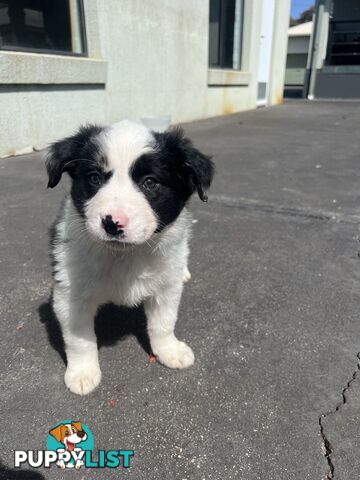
150,183
67,432
95,178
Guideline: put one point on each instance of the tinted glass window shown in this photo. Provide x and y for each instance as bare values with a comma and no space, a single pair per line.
225,33
42,25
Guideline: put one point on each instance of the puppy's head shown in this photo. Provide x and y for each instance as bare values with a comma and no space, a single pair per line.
128,182
69,434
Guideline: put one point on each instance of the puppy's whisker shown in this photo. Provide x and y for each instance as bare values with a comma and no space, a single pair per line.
82,160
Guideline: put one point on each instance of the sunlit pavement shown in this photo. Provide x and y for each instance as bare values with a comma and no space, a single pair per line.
272,312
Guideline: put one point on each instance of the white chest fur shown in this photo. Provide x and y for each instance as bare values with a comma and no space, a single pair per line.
125,276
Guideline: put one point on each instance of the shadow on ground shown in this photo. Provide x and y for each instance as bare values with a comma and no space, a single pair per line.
7,473
112,324
294,92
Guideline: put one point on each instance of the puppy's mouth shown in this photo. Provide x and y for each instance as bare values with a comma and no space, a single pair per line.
70,446
127,239
116,238
120,243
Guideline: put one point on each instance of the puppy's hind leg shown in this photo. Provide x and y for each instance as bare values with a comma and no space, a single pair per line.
76,317
161,312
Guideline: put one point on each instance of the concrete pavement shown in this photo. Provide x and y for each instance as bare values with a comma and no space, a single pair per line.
272,313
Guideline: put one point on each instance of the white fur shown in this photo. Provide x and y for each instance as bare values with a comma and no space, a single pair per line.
91,272
123,143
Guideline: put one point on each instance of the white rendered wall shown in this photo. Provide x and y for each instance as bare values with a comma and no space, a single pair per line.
156,56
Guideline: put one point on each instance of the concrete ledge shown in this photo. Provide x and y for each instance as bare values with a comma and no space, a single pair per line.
228,77
34,68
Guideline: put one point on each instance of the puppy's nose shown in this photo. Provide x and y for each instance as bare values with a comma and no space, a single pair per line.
115,225
121,221
80,434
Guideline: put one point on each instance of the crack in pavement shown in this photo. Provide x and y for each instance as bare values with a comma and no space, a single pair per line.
247,204
321,215
327,447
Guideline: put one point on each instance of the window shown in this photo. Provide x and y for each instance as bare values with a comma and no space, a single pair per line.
225,34
344,42
52,26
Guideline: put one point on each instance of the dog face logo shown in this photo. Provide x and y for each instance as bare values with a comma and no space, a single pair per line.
69,434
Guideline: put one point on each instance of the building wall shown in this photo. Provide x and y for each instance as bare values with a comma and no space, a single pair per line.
299,45
279,50
145,58
296,61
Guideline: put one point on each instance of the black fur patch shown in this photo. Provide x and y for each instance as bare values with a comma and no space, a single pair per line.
82,189
79,156
178,168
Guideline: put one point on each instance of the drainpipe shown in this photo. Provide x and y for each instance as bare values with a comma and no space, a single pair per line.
237,35
309,88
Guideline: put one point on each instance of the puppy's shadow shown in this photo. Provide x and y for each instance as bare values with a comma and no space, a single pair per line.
112,324
7,473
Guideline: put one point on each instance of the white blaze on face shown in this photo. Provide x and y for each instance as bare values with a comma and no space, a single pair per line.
122,144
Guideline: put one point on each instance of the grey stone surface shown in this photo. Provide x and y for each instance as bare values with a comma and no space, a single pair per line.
271,313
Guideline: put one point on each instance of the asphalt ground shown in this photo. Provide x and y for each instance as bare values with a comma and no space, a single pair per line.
271,312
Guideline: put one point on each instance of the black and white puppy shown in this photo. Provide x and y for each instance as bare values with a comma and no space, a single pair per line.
122,236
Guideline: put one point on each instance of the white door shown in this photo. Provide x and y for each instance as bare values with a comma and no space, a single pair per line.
267,25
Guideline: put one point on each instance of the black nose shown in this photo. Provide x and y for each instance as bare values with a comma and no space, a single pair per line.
111,227
80,434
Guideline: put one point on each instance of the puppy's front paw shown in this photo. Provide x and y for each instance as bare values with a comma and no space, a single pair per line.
79,464
186,275
82,380
175,355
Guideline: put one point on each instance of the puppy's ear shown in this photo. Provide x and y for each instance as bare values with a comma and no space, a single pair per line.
57,433
77,425
58,160
62,156
195,168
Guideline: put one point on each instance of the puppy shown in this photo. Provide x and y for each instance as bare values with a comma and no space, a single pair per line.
122,236
69,434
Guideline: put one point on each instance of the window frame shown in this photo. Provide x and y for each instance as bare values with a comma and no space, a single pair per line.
221,37
46,51
222,77
29,70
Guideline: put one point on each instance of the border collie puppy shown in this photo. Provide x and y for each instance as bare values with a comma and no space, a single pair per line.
122,236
